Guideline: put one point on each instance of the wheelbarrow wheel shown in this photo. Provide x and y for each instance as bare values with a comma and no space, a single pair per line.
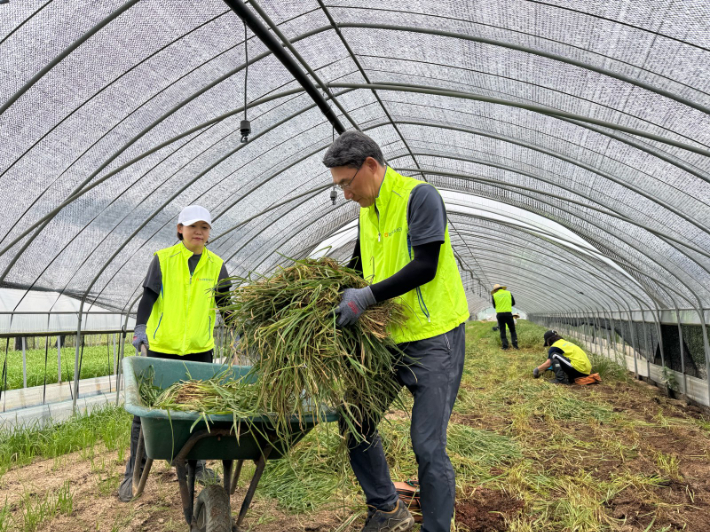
212,513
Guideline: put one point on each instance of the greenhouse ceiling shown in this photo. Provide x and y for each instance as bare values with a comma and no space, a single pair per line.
592,115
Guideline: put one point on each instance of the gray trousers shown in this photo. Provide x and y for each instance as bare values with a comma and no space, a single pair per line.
136,424
433,379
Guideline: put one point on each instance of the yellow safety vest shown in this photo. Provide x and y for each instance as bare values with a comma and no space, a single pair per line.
576,356
385,248
182,320
504,301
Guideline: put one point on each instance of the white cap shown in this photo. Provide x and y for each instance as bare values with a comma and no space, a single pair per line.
193,214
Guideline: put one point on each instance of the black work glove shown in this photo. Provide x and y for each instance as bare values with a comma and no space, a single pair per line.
354,302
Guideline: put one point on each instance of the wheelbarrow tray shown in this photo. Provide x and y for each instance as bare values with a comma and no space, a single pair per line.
165,433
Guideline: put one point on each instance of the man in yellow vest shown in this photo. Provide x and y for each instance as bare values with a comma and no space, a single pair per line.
404,250
176,315
568,361
503,302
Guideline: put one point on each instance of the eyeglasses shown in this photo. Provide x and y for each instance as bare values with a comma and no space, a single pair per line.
346,185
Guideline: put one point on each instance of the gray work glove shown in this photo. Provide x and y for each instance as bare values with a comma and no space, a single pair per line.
140,337
353,304
536,373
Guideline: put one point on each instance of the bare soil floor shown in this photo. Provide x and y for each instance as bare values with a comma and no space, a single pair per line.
644,467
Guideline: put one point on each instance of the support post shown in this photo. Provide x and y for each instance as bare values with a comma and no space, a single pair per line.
24,362
76,363
682,351
633,343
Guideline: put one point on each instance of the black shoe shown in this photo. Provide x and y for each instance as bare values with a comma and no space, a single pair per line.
516,348
125,489
504,348
397,520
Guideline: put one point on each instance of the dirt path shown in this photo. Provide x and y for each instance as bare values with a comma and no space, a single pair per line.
650,453
93,486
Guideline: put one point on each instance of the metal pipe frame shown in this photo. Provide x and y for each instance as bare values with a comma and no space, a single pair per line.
323,86
159,210
558,245
556,288
466,177
513,96
556,57
276,48
298,38
638,249
596,242
108,85
634,222
550,235
604,209
583,280
623,264
65,53
670,237
129,4
654,152
595,266
555,41
304,37
548,111
82,187
569,160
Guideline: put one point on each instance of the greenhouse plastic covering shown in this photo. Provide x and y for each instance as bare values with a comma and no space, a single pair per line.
593,117
23,312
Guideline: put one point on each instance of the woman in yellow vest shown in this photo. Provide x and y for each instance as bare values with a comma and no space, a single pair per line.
567,361
405,251
176,314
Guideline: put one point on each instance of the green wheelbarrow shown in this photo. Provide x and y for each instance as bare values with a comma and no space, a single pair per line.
182,438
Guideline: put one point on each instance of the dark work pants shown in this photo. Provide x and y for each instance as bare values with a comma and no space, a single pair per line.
433,379
506,318
136,426
562,367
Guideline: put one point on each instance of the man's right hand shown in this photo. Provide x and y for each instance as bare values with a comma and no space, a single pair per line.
140,337
536,373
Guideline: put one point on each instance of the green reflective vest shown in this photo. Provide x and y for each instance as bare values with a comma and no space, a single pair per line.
504,301
182,320
576,356
433,308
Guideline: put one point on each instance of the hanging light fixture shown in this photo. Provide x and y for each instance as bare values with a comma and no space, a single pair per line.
333,195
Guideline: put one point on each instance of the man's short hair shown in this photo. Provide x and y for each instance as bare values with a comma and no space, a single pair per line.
351,149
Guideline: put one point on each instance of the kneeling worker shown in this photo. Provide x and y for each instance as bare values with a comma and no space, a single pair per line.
566,360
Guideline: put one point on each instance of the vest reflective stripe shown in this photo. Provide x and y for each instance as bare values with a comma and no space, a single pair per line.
182,320
576,356
504,301
433,308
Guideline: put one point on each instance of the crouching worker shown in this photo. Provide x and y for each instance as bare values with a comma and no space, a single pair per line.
569,362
